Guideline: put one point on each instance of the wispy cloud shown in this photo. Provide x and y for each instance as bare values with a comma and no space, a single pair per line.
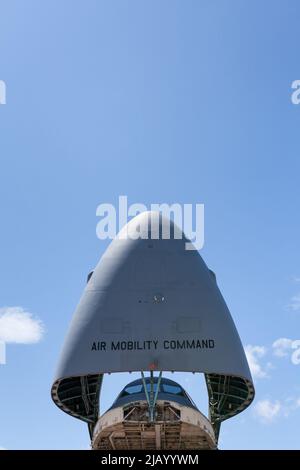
254,354
290,405
294,304
267,411
282,347
19,326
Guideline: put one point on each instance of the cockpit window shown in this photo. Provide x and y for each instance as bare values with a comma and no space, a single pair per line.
165,388
173,389
133,389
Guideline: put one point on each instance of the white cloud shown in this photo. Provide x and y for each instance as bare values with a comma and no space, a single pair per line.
19,326
296,354
254,354
2,448
294,303
267,410
291,404
282,346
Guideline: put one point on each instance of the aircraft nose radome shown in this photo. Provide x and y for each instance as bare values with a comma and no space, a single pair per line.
151,225
144,218
152,302
149,252
153,305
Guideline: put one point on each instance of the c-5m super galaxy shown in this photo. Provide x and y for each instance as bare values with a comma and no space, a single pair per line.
152,306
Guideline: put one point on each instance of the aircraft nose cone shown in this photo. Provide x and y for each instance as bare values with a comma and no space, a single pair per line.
151,304
152,226
151,301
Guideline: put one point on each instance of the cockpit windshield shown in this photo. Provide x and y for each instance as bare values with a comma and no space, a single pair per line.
164,387
168,390
173,389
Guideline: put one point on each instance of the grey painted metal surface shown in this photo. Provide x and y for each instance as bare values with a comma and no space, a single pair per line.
151,304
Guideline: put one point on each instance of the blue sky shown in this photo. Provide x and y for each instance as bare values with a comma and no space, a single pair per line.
163,101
